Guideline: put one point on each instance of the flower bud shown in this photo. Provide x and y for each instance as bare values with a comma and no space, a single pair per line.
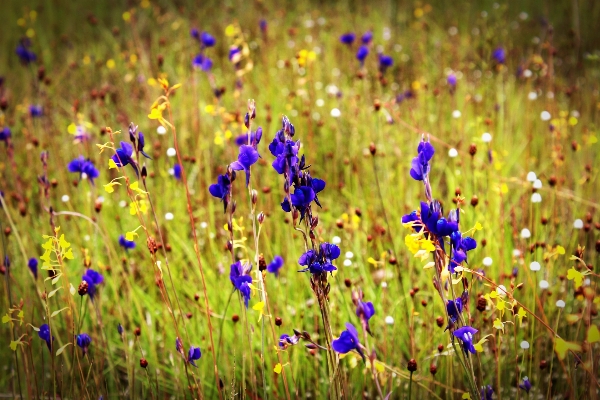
254,196
261,217
412,365
372,148
143,363
83,288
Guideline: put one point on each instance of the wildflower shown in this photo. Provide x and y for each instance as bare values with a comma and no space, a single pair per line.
451,80
5,134
202,62
140,145
525,384
44,334
247,157
420,165
362,53
25,54
454,308
126,244
33,266
93,278
235,54
465,334
460,246
84,340
263,25
83,166
364,310
487,392
194,354
385,62
195,33
367,37
177,171
320,261
348,341
207,39
222,189
254,138
348,38
240,278
124,156
36,111
499,54
286,340
275,265
120,329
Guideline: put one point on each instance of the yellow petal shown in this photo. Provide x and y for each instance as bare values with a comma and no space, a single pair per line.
562,347
277,368
593,334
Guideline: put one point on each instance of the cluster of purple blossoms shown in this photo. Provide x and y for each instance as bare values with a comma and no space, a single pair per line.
206,40
296,172
431,221
126,244
364,309
124,155
25,54
5,134
320,261
239,275
84,341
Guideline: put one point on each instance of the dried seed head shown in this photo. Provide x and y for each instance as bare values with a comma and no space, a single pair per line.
143,363
278,321
412,365
474,201
152,246
473,149
481,303
262,264
235,318
83,288
440,348
432,369
439,321
372,149
137,331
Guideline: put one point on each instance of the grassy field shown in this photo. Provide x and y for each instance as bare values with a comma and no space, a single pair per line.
508,95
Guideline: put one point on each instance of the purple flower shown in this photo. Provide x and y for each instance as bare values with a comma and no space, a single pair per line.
460,246
235,54
247,157
367,37
202,62
454,308
36,111
286,340
465,334
499,54
126,244
93,279
275,265
348,38
124,156
207,39
140,145
177,171
120,329
365,310
82,166
44,334
5,134
318,262
348,341
420,165
84,340
362,53
451,80
263,25
194,354
487,392
25,55
525,384
254,138
385,62
222,189
33,266
239,275
195,33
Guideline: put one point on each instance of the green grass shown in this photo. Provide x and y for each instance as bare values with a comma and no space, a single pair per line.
363,203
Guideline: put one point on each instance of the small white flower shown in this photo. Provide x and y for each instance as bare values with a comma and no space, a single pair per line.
545,116
544,284
501,290
384,284
452,153
169,216
86,238
524,344
537,184
347,263
320,102
65,198
527,74
84,175
531,176
456,114
487,261
122,204
578,224
535,266
486,137
560,304
516,253
100,199
349,254
336,240
171,152
389,320
532,96
203,225
336,113
525,233
161,130
536,198
523,15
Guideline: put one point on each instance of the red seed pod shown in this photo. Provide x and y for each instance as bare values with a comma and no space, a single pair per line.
412,365
432,369
143,363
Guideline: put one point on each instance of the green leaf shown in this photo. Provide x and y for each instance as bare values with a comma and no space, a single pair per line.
13,345
6,319
52,293
58,312
56,279
574,275
59,351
